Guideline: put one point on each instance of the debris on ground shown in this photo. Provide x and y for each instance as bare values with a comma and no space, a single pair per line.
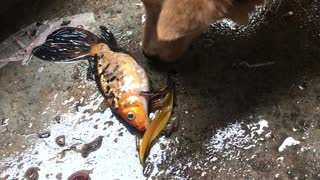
91,146
32,173
45,134
80,175
61,140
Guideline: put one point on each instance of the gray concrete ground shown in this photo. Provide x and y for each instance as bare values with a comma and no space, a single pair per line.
247,97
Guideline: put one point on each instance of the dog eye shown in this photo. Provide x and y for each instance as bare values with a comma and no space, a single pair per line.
131,116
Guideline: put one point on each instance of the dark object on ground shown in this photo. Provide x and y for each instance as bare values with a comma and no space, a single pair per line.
45,134
32,173
61,140
80,175
66,22
91,146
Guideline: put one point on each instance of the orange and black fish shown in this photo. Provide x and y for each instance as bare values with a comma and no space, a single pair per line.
119,78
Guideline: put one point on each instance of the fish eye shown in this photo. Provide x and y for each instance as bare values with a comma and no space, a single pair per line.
131,116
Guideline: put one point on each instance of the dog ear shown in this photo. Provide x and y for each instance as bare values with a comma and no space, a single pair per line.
179,18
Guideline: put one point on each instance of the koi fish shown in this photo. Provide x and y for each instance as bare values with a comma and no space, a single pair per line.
119,77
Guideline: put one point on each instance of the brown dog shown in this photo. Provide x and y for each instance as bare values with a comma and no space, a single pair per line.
171,25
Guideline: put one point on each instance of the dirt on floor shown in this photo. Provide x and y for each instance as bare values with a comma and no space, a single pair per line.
247,100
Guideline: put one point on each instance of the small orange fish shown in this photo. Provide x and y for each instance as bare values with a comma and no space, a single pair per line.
119,78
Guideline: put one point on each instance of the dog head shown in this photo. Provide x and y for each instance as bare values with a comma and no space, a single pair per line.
171,25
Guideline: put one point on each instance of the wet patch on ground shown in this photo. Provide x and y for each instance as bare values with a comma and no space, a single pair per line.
94,139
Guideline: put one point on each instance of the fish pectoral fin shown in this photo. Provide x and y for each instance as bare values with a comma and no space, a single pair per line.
158,99
162,92
103,105
162,102
90,75
91,68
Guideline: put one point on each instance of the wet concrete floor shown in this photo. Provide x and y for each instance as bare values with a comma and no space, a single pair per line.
247,99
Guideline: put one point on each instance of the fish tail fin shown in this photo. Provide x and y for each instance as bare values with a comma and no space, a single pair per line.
108,37
66,44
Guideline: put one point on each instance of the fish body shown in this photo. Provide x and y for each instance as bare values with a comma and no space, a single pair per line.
119,78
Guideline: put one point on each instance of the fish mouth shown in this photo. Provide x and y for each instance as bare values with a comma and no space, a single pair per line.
141,126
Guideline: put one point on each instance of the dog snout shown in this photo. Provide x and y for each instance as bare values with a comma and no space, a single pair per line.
151,57
167,51
164,54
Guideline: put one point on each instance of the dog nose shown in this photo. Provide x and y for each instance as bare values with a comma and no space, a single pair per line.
151,58
156,62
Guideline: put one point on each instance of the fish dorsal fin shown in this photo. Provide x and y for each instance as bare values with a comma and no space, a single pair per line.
108,38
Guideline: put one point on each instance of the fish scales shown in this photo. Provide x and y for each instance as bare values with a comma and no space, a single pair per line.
118,74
